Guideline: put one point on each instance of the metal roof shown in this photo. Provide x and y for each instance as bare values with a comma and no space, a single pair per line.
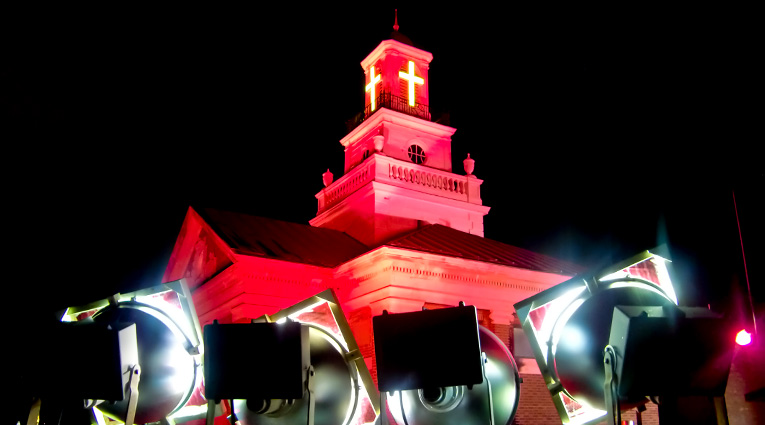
439,239
282,240
301,243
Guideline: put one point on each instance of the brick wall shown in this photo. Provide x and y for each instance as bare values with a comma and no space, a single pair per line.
535,406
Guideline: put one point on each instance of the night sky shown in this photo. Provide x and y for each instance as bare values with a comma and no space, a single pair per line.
598,132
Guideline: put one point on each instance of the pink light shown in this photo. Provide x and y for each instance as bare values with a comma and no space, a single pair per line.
743,337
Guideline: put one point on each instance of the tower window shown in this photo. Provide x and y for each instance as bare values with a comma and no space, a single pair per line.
416,154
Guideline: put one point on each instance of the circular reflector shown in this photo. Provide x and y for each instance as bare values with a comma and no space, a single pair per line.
335,390
460,405
585,332
168,371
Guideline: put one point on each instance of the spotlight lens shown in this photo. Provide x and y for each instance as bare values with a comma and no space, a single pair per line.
743,337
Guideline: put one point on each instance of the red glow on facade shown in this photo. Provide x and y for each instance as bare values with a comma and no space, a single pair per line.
394,232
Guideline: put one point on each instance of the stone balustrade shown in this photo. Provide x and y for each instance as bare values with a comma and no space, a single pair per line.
403,174
344,186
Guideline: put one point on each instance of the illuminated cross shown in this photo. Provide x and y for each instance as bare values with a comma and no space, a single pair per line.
413,79
371,86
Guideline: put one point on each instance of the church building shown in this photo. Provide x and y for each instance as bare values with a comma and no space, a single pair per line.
400,230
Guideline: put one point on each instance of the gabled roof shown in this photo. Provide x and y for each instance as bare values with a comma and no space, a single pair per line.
439,239
282,240
301,243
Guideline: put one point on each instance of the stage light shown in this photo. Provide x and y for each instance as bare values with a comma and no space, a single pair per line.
76,379
255,361
410,347
568,327
743,337
691,343
340,380
168,345
441,367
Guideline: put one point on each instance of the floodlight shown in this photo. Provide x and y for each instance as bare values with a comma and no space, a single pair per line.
441,367
255,361
410,347
666,352
75,380
569,325
696,338
333,383
168,347
94,377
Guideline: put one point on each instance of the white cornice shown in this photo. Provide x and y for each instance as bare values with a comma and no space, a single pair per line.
388,46
384,115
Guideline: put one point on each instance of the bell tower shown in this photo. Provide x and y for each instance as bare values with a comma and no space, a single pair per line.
398,164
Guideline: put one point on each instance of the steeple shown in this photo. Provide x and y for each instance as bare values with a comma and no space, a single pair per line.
398,165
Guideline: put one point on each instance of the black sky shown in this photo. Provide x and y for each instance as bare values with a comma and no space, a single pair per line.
599,132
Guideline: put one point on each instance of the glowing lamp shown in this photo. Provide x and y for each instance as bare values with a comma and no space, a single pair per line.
569,325
743,337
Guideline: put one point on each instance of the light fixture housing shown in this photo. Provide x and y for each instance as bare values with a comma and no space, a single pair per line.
458,405
670,351
255,360
169,346
344,391
85,377
410,349
568,327
439,367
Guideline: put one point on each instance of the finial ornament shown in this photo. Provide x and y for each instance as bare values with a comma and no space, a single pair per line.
327,178
395,24
469,164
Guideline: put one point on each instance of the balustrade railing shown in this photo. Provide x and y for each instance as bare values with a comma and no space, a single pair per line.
399,173
395,103
344,187
439,182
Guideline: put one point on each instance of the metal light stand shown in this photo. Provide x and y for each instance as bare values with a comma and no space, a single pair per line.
488,387
609,387
135,378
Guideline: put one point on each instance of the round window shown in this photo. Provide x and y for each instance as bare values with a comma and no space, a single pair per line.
416,154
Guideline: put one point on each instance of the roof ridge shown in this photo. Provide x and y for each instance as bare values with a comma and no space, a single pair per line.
480,248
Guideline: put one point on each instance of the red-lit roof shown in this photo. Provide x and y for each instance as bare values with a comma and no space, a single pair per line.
438,239
282,240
